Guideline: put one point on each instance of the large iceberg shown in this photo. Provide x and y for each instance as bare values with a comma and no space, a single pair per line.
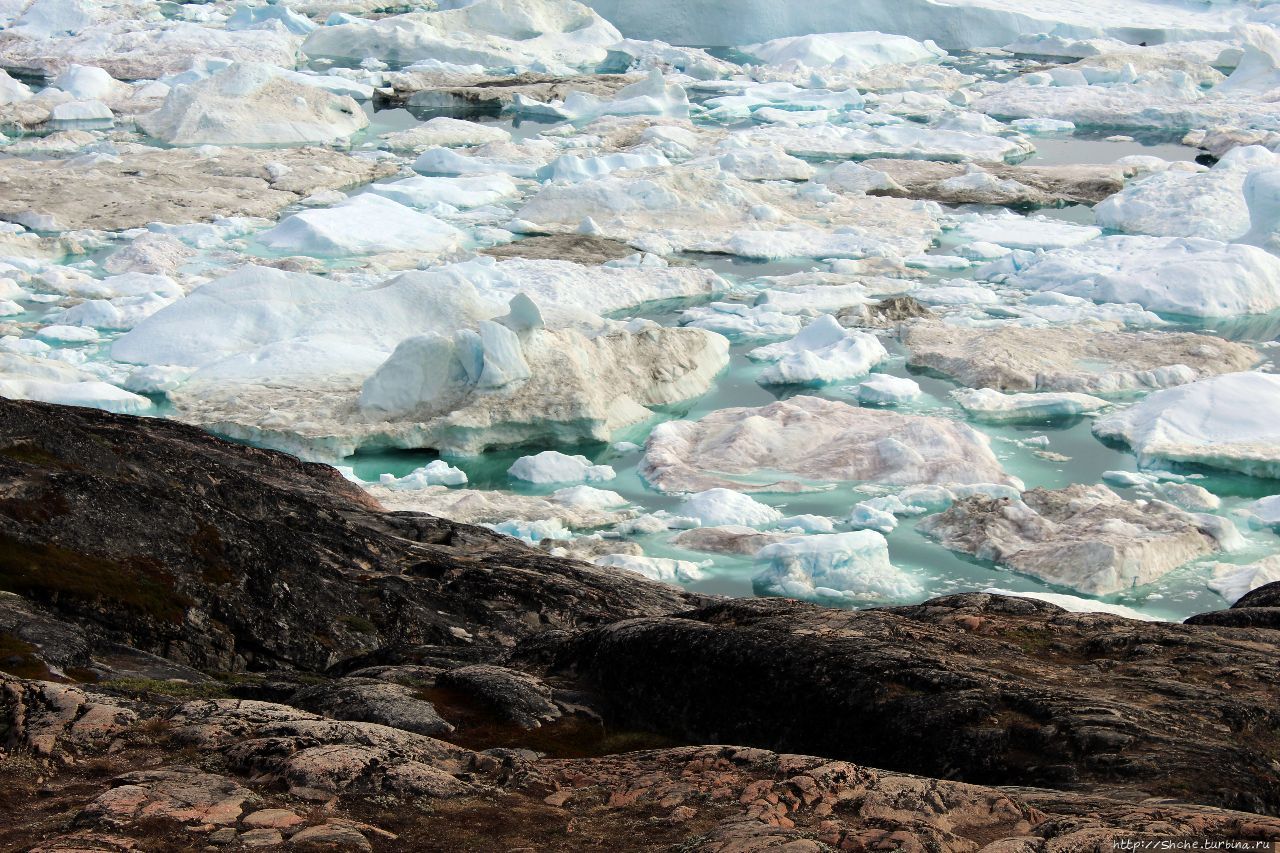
962,24
252,103
1230,421
816,440
322,367
490,33
844,51
1079,358
1165,275
1086,538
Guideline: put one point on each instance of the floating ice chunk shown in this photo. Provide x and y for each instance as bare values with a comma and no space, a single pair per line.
1084,537
504,360
717,507
12,91
1076,604
492,33
817,439
1162,274
987,404
445,161
763,163
1011,357
881,389
806,523
1128,478
1264,512
92,394
71,113
435,473
963,24
655,568
1232,581
120,313
245,17
89,83
845,51
49,19
252,103
653,96
824,351
865,515
533,531
588,497
1230,421
1043,126
569,168
956,292
361,225
857,178
423,374
1180,204
833,142
738,320
850,566
1021,232
464,193
445,132
552,466
1258,70
63,334
1189,496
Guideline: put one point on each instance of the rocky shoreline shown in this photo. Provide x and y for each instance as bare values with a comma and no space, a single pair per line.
285,663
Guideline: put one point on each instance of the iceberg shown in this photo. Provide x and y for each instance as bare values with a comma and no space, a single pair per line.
552,466
1165,275
364,224
252,103
1086,538
987,404
721,507
823,352
819,440
852,567
1228,422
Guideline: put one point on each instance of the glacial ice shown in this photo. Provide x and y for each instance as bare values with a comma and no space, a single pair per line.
823,352
987,404
1086,538
844,51
1232,580
851,566
437,473
1230,422
655,568
881,389
251,103
961,24
1100,358
552,466
720,507
491,33
362,225
754,450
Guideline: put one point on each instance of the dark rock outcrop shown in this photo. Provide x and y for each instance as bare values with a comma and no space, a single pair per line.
975,687
1259,608
155,535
